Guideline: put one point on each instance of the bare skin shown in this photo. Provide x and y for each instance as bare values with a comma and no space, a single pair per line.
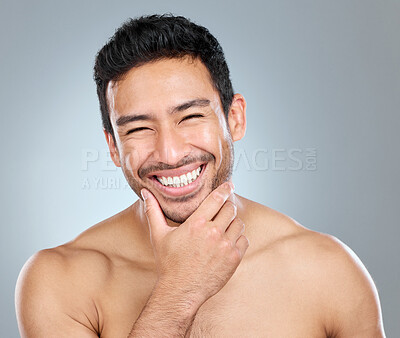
292,282
231,268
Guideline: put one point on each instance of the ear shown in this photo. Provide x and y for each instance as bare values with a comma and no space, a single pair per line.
113,148
237,117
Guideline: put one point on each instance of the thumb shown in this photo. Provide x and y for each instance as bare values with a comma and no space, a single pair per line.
155,218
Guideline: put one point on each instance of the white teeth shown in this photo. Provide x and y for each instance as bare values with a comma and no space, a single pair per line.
183,179
180,181
177,181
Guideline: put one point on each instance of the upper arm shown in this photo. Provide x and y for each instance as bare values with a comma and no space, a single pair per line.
354,307
45,300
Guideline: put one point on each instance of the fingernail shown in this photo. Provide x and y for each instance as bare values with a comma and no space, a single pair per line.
144,194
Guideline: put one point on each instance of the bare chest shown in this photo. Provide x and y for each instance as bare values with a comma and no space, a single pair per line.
252,304
252,314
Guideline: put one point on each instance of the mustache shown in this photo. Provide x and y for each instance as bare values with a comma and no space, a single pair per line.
142,172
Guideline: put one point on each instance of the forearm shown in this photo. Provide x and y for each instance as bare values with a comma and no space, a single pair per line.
168,313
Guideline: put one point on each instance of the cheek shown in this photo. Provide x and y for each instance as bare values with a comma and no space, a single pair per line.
134,154
208,139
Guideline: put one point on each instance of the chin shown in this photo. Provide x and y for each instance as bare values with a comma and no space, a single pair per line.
179,212
179,209
177,217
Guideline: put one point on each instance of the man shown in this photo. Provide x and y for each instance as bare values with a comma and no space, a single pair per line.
190,257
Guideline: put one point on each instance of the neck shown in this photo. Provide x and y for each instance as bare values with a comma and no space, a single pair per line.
237,200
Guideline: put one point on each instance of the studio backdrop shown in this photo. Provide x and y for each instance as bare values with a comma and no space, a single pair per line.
322,83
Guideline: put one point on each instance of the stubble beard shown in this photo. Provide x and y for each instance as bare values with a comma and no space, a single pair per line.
224,173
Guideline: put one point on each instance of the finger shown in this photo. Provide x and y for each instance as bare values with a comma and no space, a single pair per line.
213,202
232,196
242,244
235,230
225,216
155,217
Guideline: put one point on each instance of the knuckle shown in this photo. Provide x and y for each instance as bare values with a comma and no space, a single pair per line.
201,221
238,223
236,256
227,187
237,226
225,245
231,207
245,240
218,196
214,233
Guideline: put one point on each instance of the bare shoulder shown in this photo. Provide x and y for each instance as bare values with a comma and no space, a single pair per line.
349,293
88,256
51,294
62,264
326,270
347,297
61,286
57,288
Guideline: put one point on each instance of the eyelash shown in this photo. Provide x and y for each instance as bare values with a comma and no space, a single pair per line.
144,128
135,130
191,116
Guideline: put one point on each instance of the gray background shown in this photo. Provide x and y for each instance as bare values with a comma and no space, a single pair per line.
316,74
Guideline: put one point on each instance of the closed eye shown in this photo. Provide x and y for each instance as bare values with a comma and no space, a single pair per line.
136,130
191,117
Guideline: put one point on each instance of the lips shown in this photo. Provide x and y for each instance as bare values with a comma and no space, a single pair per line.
180,181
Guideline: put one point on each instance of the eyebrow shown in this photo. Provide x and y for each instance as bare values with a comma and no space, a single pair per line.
190,104
132,118
179,108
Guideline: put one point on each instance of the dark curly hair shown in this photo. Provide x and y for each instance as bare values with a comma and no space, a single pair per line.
155,37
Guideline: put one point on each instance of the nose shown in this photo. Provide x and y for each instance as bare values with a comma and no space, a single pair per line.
171,146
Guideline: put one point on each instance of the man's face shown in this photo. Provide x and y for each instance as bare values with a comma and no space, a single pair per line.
171,135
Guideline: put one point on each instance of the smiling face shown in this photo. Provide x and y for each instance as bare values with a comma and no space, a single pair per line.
171,135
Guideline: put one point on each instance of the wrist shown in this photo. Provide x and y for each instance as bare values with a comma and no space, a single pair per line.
181,299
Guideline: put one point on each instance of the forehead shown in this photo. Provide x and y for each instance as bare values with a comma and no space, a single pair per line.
156,86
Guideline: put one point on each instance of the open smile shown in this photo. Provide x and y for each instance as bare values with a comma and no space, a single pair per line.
181,181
